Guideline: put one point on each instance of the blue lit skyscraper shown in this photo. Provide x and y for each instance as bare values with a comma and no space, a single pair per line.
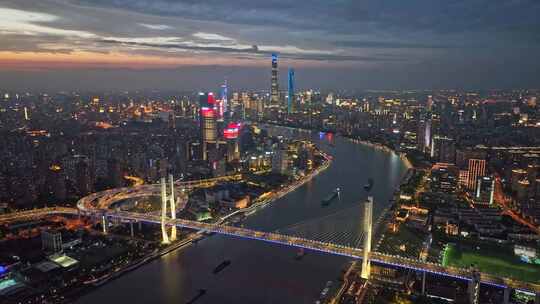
291,107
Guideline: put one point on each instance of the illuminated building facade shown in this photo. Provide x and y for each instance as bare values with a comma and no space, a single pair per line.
208,124
274,89
224,101
485,190
477,169
423,135
230,133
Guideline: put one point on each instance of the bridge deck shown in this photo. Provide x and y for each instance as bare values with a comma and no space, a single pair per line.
286,240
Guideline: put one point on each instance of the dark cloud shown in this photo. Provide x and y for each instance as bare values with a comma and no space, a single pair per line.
254,51
350,16
391,45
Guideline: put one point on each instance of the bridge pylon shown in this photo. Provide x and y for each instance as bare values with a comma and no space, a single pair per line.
367,225
105,224
172,201
167,201
164,235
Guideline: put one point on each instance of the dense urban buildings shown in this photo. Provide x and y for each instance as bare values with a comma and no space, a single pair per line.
476,187
213,184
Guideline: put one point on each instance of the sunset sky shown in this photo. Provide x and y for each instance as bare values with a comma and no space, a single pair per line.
189,44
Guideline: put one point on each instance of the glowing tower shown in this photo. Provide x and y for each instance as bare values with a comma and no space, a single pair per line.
172,201
167,199
368,213
164,235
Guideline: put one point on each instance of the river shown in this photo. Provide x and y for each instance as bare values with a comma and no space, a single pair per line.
262,272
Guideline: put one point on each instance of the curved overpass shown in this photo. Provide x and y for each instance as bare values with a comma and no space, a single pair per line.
103,200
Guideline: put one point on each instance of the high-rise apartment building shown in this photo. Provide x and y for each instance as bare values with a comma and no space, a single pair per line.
280,162
443,149
423,135
51,241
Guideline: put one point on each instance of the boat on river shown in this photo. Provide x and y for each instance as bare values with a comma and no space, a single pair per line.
369,184
327,200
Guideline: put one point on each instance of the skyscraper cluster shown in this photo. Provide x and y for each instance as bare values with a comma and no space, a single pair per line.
275,100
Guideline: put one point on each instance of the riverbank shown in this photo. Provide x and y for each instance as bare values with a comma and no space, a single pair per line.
375,145
383,148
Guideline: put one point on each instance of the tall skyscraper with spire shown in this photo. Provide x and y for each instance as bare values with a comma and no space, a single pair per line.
224,104
291,106
274,89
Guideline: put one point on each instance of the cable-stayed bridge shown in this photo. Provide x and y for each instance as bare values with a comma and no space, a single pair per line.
319,234
338,227
329,248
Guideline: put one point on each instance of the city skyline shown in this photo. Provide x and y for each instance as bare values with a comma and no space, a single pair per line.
328,152
131,44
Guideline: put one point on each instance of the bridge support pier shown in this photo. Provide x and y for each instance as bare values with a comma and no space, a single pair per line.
368,213
131,229
173,207
105,224
164,236
506,295
474,287
423,283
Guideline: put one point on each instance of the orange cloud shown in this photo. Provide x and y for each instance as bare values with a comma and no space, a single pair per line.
83,59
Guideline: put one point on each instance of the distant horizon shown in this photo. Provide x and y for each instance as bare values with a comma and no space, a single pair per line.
207,77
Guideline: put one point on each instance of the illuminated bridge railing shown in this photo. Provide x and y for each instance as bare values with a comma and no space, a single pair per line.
277,238
245,233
